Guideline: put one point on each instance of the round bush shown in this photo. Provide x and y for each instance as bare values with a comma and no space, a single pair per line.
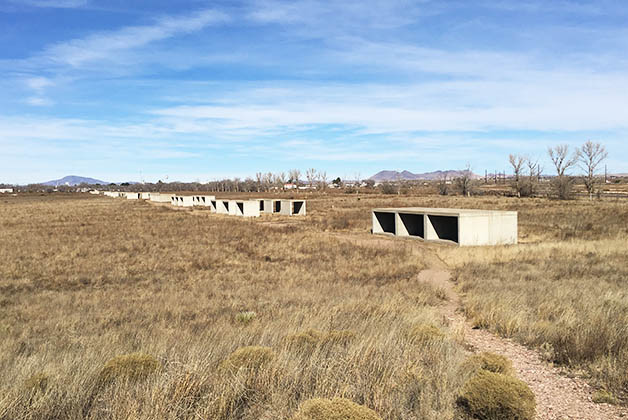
250,357
336,409
493,396
492,362
134,366
311,338
424,333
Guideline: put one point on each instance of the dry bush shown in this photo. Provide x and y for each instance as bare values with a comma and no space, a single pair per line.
424,333
336,409
250,357
132,367
493,396
491,362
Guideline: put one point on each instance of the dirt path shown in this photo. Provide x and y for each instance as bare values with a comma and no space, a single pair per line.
557,397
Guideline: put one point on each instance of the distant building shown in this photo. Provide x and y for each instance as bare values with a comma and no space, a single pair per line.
6,190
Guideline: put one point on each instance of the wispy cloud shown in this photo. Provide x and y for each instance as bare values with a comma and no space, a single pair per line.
57,4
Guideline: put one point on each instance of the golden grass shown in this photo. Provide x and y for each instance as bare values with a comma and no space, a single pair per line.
86,280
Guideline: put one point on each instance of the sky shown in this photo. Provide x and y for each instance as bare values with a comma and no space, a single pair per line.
198,90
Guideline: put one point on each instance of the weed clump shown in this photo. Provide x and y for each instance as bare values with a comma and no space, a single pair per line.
493,396
250,357
312,338
133,367
37,383
425,333
491,362
602,396
245,317
336,409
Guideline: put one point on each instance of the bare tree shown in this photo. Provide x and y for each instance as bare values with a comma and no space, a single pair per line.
516,162
464,181
443,185
259,180
280,179
590,155
310,174
358,181
322,180
529,188
294,175
563,162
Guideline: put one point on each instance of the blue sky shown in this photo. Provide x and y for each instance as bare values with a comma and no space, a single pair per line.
200,90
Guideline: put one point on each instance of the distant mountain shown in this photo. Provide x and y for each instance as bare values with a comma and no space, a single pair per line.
427,176
73,180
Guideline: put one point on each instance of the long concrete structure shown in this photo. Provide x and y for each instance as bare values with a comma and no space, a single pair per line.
203,200
292,208
133,196
460,226
182,200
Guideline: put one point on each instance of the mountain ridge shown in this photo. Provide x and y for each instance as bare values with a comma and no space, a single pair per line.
405,175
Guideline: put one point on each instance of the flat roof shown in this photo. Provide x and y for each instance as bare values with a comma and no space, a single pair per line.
443,211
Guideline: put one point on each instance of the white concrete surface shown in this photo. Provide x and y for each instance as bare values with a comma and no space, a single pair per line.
133,196
245,208
222,206
460,226
203,200
292,208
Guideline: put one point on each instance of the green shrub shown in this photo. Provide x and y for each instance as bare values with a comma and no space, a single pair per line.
336,409
250,357
492,362
493,396
424,333
134,367
245,317
602,396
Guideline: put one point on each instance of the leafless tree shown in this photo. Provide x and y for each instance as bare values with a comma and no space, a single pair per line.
563,161
322,180
294,175
310,174
280,179
530,185
590,155
443,185
358,181
464,181
516,162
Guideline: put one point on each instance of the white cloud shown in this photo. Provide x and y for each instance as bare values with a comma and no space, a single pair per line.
58,4
38,101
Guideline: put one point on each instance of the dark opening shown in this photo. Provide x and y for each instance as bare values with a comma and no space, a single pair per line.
241,207
203,200
261,205
213,204
226,203
446,227
297,207
386,221
413,224
277,206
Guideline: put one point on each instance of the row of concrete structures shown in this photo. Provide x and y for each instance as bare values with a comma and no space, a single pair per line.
458,226
244,208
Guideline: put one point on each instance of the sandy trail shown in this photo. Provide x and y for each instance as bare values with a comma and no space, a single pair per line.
557,397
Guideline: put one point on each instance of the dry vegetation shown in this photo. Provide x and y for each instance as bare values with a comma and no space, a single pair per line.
253,319
116,309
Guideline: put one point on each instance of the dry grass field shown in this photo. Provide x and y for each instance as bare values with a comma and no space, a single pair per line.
225,318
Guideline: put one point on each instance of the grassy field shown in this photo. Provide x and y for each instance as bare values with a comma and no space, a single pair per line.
86,279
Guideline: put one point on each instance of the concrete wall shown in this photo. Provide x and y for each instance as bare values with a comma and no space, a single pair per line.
203,200
145,196
133,196
245,208
222,206
271,206
458,226
292,208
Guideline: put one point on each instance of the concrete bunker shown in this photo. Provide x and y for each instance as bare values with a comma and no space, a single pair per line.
292,208
384,222
443,228
459,226
411,225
